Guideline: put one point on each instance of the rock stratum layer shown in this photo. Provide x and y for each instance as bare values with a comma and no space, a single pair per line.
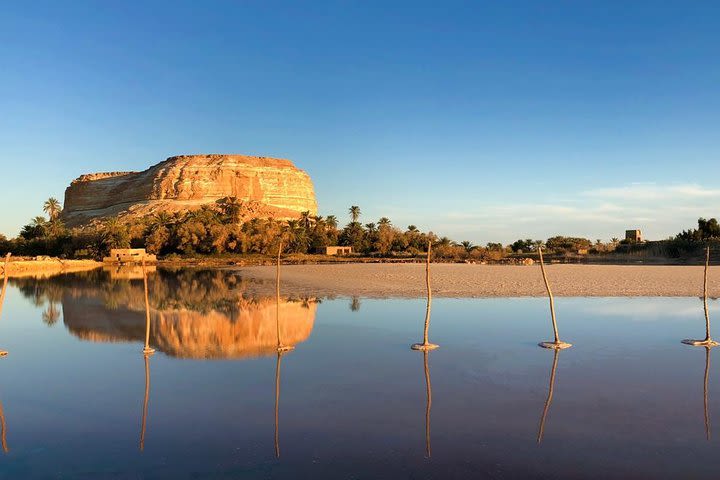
268,187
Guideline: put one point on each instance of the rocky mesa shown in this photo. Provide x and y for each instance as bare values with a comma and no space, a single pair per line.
268,187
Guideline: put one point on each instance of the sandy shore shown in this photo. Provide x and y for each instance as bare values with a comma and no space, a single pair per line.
48,267
462,280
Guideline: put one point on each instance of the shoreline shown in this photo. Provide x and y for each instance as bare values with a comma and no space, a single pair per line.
46,267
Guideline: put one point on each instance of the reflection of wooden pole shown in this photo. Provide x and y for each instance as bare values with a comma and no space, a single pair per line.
277,404
146,350
3,437
145,402
548,400
6,276
705,393
426,345
428,404
556,343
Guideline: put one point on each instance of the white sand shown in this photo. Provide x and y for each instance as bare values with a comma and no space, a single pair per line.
463,280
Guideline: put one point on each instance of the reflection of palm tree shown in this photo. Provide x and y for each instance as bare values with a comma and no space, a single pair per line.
548,400
707,341
426,345
556,344
51,314
355,304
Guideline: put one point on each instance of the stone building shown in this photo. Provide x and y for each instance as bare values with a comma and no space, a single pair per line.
633,236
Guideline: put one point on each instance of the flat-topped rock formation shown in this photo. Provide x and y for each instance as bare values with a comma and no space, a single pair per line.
268,187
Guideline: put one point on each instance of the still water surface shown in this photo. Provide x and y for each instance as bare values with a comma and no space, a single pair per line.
79,399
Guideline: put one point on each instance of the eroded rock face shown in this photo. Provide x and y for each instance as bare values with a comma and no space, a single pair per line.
270,187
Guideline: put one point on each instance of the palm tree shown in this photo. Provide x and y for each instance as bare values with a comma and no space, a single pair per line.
331,221
412,228
354,213
38,221
444,242
468,246
306,220
384,222
52,208
371,227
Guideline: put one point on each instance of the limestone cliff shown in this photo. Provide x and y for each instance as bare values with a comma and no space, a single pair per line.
269,187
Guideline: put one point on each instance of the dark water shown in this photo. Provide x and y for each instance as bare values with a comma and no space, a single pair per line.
627,400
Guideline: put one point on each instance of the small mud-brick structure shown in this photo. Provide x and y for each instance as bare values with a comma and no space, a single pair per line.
129,255
335,250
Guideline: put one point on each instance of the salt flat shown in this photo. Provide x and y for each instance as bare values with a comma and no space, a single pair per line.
467,280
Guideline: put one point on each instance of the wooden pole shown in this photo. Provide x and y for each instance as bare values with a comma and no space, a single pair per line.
556,344
6,276
426,345
707,341
548,400
146,350
429,296
277,296
550,296
705,295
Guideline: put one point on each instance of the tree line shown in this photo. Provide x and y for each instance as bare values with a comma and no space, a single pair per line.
219,228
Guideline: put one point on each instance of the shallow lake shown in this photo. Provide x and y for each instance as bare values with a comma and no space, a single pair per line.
352,400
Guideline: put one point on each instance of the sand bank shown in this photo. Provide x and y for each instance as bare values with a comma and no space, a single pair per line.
463,280
47,267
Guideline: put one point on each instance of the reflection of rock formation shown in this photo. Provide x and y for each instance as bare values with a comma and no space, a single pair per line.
247,332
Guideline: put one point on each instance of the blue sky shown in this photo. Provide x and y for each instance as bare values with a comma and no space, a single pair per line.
483,121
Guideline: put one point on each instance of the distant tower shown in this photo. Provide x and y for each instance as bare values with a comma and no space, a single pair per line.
633,236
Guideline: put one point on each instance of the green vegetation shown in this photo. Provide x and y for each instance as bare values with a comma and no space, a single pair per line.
218,229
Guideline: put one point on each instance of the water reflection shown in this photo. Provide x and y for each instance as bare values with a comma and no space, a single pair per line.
3,428
549,399
143,422
187,314
428,403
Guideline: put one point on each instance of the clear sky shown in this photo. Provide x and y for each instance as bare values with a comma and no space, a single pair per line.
483,121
